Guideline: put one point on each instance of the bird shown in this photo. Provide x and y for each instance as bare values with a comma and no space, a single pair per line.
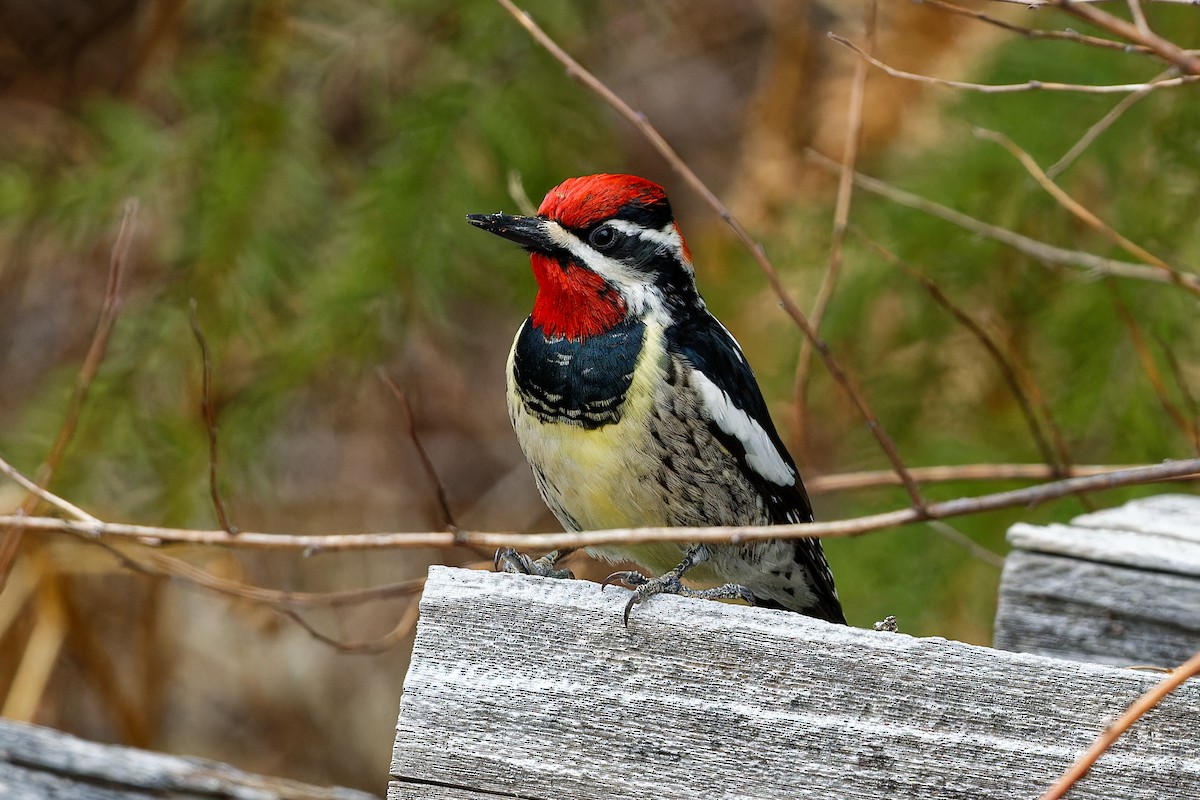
635,406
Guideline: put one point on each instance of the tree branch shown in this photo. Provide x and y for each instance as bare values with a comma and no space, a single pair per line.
310,545
1008,88
1189,669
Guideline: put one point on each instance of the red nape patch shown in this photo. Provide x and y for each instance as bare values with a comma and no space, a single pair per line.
580,202
574,302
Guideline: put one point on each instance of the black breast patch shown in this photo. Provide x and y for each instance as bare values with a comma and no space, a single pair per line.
580,383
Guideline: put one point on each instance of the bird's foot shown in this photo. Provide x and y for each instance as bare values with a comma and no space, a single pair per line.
508,559
670,583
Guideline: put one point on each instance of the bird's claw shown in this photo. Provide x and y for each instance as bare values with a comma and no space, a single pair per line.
670,583
630,579
507,559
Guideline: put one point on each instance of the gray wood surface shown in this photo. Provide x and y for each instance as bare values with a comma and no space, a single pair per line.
39,763
1120,586
528,687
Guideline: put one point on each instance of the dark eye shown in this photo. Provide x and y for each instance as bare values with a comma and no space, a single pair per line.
603,237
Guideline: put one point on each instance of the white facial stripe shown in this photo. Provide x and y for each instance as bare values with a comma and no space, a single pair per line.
641,296
668,237
761,454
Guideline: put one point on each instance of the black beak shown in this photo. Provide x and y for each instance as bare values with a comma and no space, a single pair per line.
529,232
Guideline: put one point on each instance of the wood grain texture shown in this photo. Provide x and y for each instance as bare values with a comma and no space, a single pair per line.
1120,586
1069,608
527,687
39,763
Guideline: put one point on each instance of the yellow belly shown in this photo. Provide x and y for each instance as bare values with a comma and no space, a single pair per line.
605,477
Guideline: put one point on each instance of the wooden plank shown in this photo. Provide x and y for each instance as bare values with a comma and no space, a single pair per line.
1119,586
1069,608
1167,529
527,687
39,763
1172,515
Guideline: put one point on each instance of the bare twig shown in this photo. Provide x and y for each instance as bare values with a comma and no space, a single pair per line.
639,121
952,534
1040,251
852,481
52,499
1036,4
1139,18
841,215
1113,731
1035,33
284,603
152,563
1189,398
1165,49
406,625
1007,371
1027,497
210,420
410,425
1146,359
1092,133
109,310
1008,88
1082,213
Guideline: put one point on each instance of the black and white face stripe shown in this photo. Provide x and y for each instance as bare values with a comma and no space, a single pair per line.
648,266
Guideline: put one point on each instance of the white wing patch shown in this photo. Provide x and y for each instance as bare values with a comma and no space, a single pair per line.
761,453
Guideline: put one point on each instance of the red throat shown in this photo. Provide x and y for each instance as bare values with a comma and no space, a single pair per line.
573,302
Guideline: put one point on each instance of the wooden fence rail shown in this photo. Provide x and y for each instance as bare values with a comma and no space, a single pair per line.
527,687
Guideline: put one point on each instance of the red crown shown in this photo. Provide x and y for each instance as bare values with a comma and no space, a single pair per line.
581,202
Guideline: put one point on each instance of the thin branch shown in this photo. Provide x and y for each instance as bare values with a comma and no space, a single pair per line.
1093,133
841,216
52,499
1035,33
402,629
1007,371
1139,18
1030,496
1082,213
109,310
1040,251
952,534
1189,398
1037,4
1008,88
1112,732
853,481
1167,50
1146,359
283,603
410,425
162,565
639,121
210,420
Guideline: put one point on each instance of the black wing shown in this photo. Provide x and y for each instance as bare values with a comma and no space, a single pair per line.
740,421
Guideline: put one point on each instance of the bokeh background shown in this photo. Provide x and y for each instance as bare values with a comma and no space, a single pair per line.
303,169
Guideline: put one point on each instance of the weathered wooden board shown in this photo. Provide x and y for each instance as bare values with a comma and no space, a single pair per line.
527,687
39,763
1120,586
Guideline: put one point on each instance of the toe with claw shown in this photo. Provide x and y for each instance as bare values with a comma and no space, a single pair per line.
670,583
507,559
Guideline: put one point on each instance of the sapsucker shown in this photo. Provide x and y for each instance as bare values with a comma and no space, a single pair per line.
635,407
